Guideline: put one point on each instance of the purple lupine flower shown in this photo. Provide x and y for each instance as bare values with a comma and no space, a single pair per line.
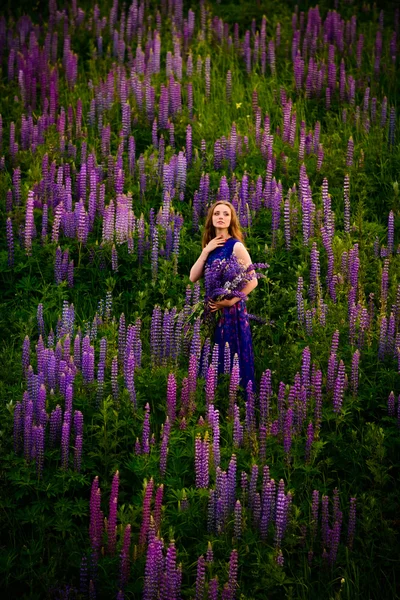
202,461
335,539
314,514
26,355
390,405
125,558
171,397
238,520
29,223
354,372
96,518
309,441
390,232
216,439
148,494
164,447
211,383
158,507
233,571
350,152
112,516
55,426
338,391
146,430
325,520
352,523
78,453
65,433
300,301
200,577
10,242
233,386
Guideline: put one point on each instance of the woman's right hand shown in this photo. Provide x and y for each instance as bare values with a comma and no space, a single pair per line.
216,242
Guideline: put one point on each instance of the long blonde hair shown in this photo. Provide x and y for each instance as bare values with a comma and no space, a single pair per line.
234,228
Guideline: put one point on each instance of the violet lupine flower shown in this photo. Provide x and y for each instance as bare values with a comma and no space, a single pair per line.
129,378
192,379
153,569
96,518
314,514
26,355
158,507
189,145
250,410
338,391
238,520
171,397
38,448
83,576
112,516
390,405
346,195
335,538
202,461
331,374
309,441
29,223
146,430
227,358
148,494
216,439
211,383
228,86
390,232
233,572
10,242
55,426
125,558
382,338
237,427
300,301
65,433
200,578
354,372
350,152
78,452
352,523
164,447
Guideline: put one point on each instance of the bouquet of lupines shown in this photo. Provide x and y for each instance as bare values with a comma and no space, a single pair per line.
225,279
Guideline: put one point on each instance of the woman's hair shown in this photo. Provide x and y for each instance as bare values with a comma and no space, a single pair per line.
234,228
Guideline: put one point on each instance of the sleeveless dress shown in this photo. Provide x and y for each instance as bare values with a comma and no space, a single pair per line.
233,326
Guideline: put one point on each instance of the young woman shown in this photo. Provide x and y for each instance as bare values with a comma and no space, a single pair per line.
222,237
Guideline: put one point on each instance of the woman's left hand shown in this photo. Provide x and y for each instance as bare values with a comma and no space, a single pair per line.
218,304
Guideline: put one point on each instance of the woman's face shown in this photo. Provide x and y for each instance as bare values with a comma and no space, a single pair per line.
222,216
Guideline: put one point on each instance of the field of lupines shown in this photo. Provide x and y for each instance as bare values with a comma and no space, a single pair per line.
129,470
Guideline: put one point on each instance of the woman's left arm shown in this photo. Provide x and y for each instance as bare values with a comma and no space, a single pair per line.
244,257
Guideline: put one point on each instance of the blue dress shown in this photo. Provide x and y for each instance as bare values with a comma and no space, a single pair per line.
233,326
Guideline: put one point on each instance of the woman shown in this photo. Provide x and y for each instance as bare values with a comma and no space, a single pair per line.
221,238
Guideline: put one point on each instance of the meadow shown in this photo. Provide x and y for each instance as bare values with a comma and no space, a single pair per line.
129,469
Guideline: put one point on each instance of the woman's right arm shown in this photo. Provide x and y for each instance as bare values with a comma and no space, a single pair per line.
197,270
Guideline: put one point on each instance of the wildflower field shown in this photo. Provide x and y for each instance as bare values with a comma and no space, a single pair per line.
129,469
